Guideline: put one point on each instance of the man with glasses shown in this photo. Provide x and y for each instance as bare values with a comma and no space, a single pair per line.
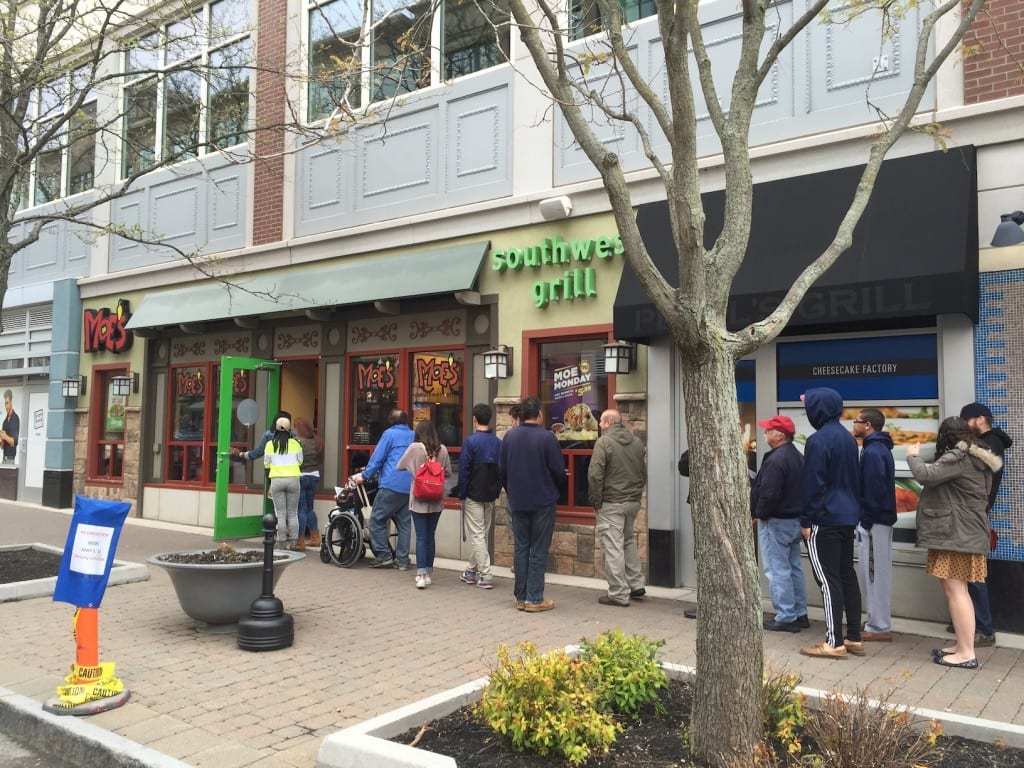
877,517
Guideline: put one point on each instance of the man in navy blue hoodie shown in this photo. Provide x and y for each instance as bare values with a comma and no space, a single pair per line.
532,473
877,517
830,495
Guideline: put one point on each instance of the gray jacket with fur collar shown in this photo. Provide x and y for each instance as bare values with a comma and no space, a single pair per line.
951,514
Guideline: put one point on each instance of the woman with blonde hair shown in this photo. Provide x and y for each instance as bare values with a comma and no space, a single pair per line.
425,513
953,525
283,458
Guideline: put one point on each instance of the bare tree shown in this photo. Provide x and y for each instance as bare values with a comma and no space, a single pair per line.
727,716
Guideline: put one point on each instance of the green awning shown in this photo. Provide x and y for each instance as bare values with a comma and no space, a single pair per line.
354,280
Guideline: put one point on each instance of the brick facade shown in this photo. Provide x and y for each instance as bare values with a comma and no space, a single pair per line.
269,141
994,64
575,550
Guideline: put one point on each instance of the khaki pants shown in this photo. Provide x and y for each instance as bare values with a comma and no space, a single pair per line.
622,571
478,516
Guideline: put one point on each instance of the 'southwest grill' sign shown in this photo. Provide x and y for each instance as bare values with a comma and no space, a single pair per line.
573,259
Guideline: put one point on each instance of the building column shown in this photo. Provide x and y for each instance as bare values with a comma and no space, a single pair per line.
59,462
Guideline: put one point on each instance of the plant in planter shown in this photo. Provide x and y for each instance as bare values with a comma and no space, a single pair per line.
218,586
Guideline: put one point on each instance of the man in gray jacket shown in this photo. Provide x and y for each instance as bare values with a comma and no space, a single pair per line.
616,479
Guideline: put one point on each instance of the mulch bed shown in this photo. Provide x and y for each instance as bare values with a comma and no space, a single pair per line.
27,564
654,742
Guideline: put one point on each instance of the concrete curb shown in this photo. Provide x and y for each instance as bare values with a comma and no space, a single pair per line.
368,744
72,740
122,572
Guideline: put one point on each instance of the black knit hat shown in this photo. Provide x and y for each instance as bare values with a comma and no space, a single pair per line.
974,410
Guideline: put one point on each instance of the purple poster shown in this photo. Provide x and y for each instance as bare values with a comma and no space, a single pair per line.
573,397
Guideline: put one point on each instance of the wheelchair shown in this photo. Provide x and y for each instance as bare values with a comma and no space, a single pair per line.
346,536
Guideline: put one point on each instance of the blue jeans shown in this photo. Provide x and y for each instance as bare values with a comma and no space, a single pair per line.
307,494
531,529
982,610
779,542
426,525
390,505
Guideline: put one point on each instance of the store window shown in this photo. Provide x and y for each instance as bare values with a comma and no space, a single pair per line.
574,389
585,18
426,384
192,424
106,455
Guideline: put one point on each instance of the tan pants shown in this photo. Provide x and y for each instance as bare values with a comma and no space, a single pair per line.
622,571
478,516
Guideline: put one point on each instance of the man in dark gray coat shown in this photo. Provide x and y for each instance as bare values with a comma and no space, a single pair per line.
616,479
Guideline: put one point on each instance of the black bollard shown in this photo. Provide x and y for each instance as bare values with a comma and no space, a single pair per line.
267,627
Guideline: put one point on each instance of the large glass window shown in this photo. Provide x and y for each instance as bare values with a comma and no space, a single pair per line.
197,71
399,58
586,19
106,459
573,388
82,150
373,384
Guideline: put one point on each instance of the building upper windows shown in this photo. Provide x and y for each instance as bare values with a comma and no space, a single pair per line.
187,89
586,18
407,47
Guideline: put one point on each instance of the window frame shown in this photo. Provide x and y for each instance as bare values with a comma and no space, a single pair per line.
98,404
569,514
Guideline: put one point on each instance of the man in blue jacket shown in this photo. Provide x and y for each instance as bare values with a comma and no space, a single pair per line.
775,508
877,517
532,473
830,496
392,500
479,486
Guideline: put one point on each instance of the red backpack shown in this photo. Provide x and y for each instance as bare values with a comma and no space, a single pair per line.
428,483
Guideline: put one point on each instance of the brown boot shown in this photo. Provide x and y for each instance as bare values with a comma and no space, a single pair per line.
300,544
314,539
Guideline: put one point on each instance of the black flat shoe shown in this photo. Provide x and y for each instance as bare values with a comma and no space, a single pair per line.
969,664
939,653
690,613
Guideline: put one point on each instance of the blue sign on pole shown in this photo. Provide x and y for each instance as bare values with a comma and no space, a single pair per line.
89,551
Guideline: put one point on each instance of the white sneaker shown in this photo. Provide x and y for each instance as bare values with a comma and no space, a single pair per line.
428,579
421,581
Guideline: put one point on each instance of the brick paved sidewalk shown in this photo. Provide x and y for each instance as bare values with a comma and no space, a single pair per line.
367,642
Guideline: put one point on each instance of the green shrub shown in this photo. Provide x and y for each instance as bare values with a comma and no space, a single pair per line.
785,709
628,674
546,704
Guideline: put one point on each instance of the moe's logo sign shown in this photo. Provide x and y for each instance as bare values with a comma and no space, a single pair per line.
578,279
105,330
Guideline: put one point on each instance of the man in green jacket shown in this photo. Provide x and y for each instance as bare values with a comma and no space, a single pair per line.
616,479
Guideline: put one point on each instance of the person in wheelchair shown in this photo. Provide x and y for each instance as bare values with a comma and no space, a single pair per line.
392,499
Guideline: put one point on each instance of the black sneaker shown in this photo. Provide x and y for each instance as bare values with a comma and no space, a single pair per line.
781,626
690,613
401,565
803,622
382,562
638,594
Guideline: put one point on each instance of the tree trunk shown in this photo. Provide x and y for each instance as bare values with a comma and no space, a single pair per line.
727,709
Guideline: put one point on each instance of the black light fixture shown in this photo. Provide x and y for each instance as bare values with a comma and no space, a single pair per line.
498,362
1009,231
72,387
619,357
124,385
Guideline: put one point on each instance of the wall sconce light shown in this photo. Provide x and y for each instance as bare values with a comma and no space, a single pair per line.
72,387
619,357
1009,231
498,362
552,208
122,386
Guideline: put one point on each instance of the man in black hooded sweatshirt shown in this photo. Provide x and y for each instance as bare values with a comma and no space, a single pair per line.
979,419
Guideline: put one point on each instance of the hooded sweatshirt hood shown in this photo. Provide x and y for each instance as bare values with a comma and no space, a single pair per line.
822,405
999,435
879,437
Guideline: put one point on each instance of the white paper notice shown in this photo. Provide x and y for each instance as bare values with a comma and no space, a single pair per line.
91,548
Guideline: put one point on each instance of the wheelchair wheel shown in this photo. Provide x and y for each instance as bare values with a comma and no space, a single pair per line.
345,540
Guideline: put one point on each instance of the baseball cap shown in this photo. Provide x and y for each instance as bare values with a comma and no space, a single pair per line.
782,423
283,425
974,410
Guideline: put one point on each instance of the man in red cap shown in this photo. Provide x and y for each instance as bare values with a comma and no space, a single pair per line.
775,508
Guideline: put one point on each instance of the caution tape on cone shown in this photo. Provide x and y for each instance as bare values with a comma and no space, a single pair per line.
80,689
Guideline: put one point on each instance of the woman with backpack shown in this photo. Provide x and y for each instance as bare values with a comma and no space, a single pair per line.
283,458
428,463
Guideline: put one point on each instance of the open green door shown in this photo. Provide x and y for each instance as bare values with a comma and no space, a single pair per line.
231,521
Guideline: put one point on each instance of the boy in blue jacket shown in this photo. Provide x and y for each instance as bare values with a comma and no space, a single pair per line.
830,497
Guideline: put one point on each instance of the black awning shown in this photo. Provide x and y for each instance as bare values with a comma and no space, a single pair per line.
914,252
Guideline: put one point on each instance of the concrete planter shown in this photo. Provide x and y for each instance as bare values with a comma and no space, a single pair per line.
369,743
220,593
